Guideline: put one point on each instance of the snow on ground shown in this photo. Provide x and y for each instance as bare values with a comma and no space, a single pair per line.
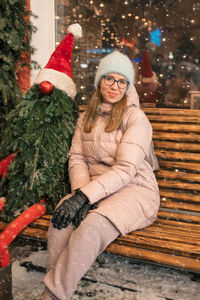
111,277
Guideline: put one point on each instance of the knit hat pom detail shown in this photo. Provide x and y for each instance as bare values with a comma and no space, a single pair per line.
76,30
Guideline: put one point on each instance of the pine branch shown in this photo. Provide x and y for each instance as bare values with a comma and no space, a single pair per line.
35,161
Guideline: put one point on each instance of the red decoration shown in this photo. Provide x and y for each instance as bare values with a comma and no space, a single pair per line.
145,66
45,87
4,164
11,231
61,58
2,203
125,42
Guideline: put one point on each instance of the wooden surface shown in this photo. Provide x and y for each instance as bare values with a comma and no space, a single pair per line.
174,239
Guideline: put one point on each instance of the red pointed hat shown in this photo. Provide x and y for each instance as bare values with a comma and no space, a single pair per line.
145,66
58,70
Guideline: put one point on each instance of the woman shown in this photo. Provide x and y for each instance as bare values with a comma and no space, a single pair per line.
111,165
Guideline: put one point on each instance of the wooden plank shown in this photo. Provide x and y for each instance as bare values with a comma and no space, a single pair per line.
179,165
182,229
179,216
176,128
178,185
41,223
177,224
162,245
172,136
180,206
155,257
164,239
165,174
30,232
172,118
179,196
177,145
178,155
171,111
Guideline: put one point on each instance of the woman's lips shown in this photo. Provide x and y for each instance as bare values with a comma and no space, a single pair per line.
113,95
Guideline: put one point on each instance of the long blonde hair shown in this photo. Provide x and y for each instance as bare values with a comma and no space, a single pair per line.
115,116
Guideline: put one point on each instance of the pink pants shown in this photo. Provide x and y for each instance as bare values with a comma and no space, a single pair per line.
71,251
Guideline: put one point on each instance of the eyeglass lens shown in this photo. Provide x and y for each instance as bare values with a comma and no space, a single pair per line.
121,83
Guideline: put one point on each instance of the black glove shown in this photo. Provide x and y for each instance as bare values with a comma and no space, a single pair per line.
69,208
82,214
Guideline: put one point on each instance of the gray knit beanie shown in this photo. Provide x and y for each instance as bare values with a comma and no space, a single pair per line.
115,62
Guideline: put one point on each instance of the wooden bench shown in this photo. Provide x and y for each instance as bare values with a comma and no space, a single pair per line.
174,239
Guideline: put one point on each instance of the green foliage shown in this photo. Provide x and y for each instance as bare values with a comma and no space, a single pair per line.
40,128
15,35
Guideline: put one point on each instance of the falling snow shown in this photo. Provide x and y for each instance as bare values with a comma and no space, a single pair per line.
110,276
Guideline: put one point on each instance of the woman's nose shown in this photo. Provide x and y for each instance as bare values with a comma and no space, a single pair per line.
115,86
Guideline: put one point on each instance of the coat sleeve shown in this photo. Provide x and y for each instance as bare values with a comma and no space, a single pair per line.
131,152
78,167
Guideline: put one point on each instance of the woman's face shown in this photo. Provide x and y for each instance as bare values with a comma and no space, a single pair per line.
112,93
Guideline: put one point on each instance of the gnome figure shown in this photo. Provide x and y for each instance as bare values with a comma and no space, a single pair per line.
39,131
149,89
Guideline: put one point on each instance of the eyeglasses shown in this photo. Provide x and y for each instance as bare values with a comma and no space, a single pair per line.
110,80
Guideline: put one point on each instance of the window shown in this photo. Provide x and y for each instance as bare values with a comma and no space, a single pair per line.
168,30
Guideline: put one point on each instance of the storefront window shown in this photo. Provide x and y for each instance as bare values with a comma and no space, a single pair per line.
164,32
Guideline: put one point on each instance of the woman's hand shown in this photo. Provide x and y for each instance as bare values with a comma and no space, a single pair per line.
68,210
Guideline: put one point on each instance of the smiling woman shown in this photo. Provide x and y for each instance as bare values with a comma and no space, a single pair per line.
114,189
113,87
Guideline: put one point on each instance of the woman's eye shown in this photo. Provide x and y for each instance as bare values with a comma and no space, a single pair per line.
121,81
109,78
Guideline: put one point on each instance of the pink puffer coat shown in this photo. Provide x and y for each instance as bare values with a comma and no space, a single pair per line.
112,170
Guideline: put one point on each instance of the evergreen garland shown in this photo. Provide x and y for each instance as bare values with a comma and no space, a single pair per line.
39,129
15,35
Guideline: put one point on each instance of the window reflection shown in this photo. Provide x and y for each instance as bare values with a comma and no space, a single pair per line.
167,30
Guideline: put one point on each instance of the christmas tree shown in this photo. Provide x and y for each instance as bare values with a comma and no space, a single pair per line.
39,132
15,34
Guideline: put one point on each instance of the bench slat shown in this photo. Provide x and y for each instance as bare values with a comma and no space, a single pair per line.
170,111
154,256
178,185
178,175
182,228
180,196
171,136
178,224
30,232
178,155
169,184
173,127
179,165
162,242
175,119
179,216
179,206
168,234
177,145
